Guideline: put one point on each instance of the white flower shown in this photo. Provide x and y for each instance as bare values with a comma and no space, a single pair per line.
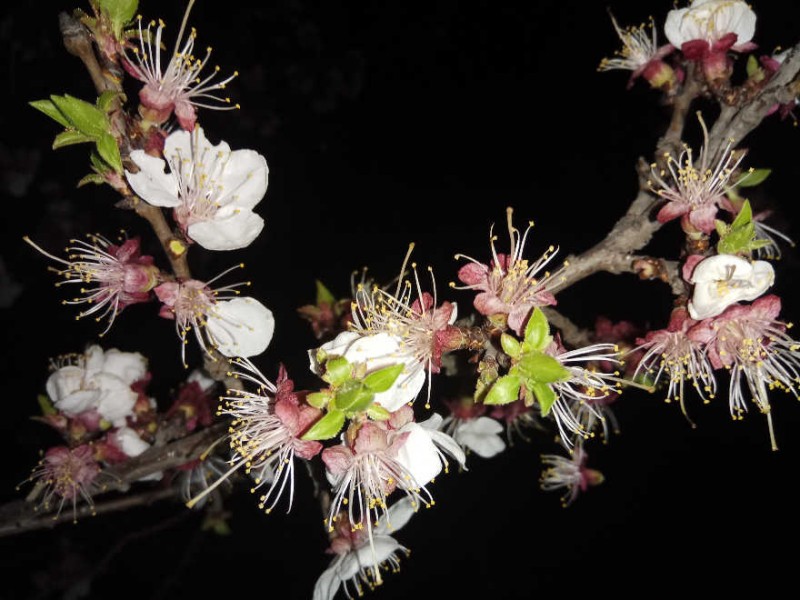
212,189
377,351
359,558
481,435
97,380
420,454
710,21
725,279
128,442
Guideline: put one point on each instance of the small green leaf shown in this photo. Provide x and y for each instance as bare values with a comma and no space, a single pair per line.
327,427
744,217
504,391
119,12
85,117
319,399
382,380
542,368
377,413
95,178
511,345
722,227
752,66
544,395
353,396
537,331
754,177
105,101
69,137
737,240
51,110
46,405
109,151
337,371
324,295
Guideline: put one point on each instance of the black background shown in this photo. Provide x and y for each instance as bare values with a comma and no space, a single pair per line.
386,123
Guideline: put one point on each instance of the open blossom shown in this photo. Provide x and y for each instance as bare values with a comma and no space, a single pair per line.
509,284
695,190
179,87
265,433
725,279
378,458
220,319
65,477
569,474
98,384
586,386
211,189
753,345
673,355
359,557
707,29
473,431
111,276
641,54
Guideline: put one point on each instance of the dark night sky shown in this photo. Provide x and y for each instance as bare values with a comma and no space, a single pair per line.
386,123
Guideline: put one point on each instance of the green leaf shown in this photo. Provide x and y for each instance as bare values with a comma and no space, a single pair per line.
753,177
537,331
51,110
85,117
722,227
324,294
511,345
319,399
69,137
382,379
119,12
337,371
542,368
108,149
105,100
353,396
752,66
377,413
544,395
327,427
46,405
744,217
504,391
95,178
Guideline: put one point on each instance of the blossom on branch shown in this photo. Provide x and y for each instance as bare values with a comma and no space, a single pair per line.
211,189
509,285
725,279
359,557
707,29
753,345
473,431
641,54
265,433
221,319
120,275
569,474
179,87
96,385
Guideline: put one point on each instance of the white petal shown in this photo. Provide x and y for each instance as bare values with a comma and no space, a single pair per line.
128,441
227,231
328,583
205,382
241,327
130,367
396,517
672,27
382,548
449,445
93,360
336,347
151,183
244,179
736,18
67,380
419,455
454,314
722,280
179,144
481,435
77,402
116,398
